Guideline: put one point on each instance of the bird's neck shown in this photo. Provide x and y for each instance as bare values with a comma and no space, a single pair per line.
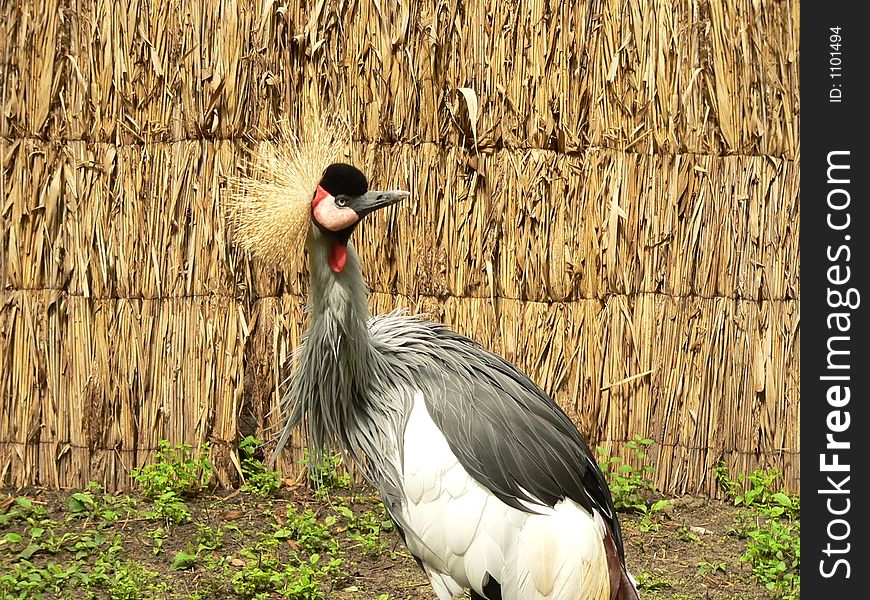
332,377
340,370
338,346
338,300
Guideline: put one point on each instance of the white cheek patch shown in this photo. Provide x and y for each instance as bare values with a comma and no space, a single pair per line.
332,217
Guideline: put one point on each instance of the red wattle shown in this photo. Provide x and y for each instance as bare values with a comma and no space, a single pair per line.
337,257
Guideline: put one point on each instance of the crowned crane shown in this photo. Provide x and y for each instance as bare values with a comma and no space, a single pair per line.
490,485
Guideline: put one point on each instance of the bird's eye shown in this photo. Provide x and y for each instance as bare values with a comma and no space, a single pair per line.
341,201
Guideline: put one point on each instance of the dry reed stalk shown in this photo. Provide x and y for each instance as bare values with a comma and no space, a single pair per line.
604,192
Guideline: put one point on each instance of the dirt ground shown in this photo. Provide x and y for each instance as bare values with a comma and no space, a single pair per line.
690,556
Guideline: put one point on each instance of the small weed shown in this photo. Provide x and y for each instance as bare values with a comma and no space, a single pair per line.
647,581
23,509
176,470
92,503
311,535
159,536
774,553
175,474
184,559
771,527
259,479
687,535
365,528
208,538
170,508
327,474
756,490
87,544
81,556
630,487
706,568
23,579
648,521
125,580
264,574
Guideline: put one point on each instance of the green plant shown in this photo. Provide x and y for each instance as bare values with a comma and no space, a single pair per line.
125,580
265,574
772,528
365,528
757,490
630,487
23,579
647,581
775,554
159,536
650,514
85,544
311,535
168,507
259,479
42,557
208,538
176,473
23,509
93,503
687,535
184,559
36,531
705,567
177,469
326,474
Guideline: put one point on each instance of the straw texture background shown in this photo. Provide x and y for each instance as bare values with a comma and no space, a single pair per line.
604,192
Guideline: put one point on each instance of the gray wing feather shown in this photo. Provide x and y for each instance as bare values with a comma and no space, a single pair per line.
507,432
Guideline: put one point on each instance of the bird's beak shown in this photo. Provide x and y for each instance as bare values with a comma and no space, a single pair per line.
372,200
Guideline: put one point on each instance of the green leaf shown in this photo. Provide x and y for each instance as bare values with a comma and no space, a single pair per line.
781,498
83,498
183,560
29,551
24,503
13,538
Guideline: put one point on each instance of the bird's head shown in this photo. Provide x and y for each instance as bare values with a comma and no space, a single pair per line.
342,199
297,193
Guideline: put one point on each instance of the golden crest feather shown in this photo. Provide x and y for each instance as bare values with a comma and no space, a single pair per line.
269,207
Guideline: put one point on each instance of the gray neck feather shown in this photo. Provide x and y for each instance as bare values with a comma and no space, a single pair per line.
339,307
330,380
335,383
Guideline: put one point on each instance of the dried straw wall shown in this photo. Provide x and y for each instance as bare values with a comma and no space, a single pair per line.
604,192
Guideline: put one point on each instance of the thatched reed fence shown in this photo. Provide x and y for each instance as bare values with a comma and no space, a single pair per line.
604,192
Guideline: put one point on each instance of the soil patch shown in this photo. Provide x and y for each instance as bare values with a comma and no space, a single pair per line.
691,553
